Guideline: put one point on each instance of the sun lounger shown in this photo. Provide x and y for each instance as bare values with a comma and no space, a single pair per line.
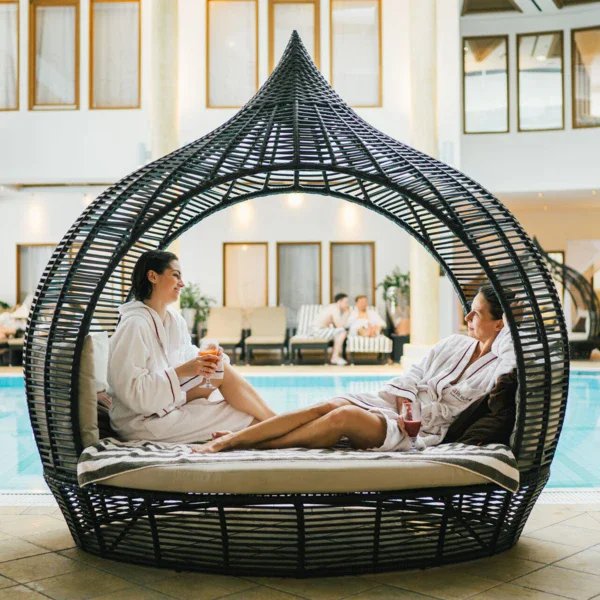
225,325
267,330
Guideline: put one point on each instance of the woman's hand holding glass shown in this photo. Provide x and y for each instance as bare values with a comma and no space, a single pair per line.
204,366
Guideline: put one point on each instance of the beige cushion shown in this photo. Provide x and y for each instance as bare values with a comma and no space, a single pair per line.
225,341
298,339
265,339
225,324
275,477
268,321
92,375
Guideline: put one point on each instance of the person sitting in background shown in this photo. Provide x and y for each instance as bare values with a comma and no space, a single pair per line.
364,321
335,315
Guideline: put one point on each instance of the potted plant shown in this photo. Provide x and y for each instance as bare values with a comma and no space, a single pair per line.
396,294
194,305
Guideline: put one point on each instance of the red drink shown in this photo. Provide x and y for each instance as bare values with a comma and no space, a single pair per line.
412,428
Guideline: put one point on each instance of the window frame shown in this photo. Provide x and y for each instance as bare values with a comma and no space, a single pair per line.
373,298
18,274
225,244
317,27
562,79
379,22
574,124
278,267
207,63
18,78
464,39
91,58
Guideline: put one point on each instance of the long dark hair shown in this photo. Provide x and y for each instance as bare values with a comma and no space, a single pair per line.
487,291
153,260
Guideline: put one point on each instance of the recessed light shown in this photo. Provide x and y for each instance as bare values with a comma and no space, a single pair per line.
540,195
593,192
541,58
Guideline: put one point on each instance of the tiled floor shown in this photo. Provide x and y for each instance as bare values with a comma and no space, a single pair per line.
558,557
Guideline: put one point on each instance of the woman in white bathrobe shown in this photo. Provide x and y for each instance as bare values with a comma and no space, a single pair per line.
456,372
154,370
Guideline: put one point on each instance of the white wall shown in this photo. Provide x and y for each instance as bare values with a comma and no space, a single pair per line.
533,161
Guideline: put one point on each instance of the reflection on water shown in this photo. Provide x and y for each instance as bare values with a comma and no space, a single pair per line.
576,465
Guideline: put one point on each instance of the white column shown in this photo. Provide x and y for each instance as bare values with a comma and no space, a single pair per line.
163,104
424,270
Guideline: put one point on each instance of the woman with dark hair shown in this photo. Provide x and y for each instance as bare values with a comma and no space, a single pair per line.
455,373
156,373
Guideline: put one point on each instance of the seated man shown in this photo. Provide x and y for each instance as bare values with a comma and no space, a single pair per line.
335,315
364,321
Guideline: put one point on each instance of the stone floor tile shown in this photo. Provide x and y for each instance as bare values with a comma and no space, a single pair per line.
5,582
587,561
201,586
573,536
447,583
499,567
136,573
509,591
135,593
263,593
20,592
15,548
32,568
540,550
40,510
386,592
22,525
61,539
11,510
80,585
318,588
584,520
562,582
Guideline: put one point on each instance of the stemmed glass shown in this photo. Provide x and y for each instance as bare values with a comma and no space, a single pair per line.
411,415
208,348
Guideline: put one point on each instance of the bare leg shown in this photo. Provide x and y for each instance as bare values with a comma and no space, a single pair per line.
364,430
273,428
338,346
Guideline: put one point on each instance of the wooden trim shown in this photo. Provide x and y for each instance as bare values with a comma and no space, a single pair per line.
562,3
379,18
19,246
318,244
464,95
207,36
466,10
33,4
18,77
575,125
91,58
225,244
372,244
317,28
562,79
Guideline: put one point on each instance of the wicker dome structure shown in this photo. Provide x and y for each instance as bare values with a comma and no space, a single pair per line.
295,135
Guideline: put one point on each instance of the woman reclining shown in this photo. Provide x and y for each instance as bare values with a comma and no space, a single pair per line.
457,372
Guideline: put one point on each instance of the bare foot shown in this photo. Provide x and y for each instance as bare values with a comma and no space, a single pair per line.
218,434
216,445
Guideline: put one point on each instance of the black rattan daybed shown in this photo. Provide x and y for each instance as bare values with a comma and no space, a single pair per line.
296,134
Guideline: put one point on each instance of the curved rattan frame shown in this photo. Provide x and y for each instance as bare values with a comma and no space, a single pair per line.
296,134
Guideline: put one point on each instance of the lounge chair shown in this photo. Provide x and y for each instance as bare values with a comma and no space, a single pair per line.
381,345
225,325
267,330
306,339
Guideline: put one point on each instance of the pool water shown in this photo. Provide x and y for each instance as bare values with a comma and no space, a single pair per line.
576,464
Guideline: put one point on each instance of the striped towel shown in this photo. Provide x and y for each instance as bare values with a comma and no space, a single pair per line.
110,457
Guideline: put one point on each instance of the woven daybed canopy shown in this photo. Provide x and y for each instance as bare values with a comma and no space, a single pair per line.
295,135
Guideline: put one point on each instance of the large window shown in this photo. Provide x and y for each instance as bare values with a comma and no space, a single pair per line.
540,81
352,269
485,84
54,54
245,274
356,51
115,54
31,262
9,55
232,52
287,15
298,276
585,55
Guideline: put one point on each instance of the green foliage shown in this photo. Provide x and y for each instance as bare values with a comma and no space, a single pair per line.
396,279
4,305
192,297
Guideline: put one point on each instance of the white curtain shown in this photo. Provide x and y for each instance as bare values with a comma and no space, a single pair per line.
287,17
32,262
352,270
356,68
233,60
8,55
299,278
116,56
245,275
55,55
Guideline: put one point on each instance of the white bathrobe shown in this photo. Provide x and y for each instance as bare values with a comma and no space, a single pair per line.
148,397
431,384
354,323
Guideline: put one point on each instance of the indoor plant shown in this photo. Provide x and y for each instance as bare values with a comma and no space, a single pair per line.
194,305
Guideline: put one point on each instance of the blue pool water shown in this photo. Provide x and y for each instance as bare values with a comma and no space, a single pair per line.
576,464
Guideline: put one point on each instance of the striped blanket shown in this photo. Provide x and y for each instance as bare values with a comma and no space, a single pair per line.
111,457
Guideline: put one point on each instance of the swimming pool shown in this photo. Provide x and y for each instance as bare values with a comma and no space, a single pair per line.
576,464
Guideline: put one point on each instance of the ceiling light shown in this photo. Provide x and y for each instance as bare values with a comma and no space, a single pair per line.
593,192
541,58
295,199
540,194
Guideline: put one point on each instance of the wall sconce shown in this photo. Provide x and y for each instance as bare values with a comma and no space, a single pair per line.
295,200
244,213
86,200
350,216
